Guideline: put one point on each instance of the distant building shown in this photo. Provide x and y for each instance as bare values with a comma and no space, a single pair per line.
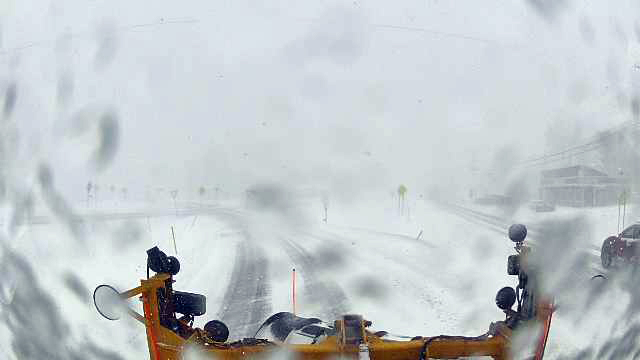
580,186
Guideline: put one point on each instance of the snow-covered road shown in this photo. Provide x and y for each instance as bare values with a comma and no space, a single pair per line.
433,273
242,260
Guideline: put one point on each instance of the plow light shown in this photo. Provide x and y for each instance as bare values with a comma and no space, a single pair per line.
159,262
517,233
505,298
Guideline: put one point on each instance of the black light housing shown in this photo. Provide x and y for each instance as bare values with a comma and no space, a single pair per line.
513,265
505,298
517,233
217,331
189,304
160,263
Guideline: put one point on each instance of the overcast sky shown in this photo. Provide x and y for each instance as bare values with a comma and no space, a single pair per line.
340,94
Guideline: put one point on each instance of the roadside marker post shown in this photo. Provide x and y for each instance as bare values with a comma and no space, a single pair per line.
293,290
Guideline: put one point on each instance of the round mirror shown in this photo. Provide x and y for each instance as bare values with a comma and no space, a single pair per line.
108,302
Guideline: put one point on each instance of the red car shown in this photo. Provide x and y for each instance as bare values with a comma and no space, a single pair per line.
623,246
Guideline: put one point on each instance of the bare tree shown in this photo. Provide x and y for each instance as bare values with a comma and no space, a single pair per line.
325,204
96,189
89,188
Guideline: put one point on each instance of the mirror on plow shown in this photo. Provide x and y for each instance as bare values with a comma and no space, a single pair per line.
109,303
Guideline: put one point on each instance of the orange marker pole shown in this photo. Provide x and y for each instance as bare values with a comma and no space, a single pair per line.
293,275
150,325
542,342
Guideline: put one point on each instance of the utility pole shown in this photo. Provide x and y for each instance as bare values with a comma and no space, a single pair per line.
89,187
202,191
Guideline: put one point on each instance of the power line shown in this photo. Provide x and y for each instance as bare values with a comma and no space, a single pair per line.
126,28
435,32
597,142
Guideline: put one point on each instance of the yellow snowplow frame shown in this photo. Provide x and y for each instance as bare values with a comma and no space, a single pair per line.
165,344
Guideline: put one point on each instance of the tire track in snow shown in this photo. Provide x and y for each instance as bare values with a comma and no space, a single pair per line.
247,300
403,237
328,294
584,268
435,303
490,223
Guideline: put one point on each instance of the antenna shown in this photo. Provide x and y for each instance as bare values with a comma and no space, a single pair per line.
173,234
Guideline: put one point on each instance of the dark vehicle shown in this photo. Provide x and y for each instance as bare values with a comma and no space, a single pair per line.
621,247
